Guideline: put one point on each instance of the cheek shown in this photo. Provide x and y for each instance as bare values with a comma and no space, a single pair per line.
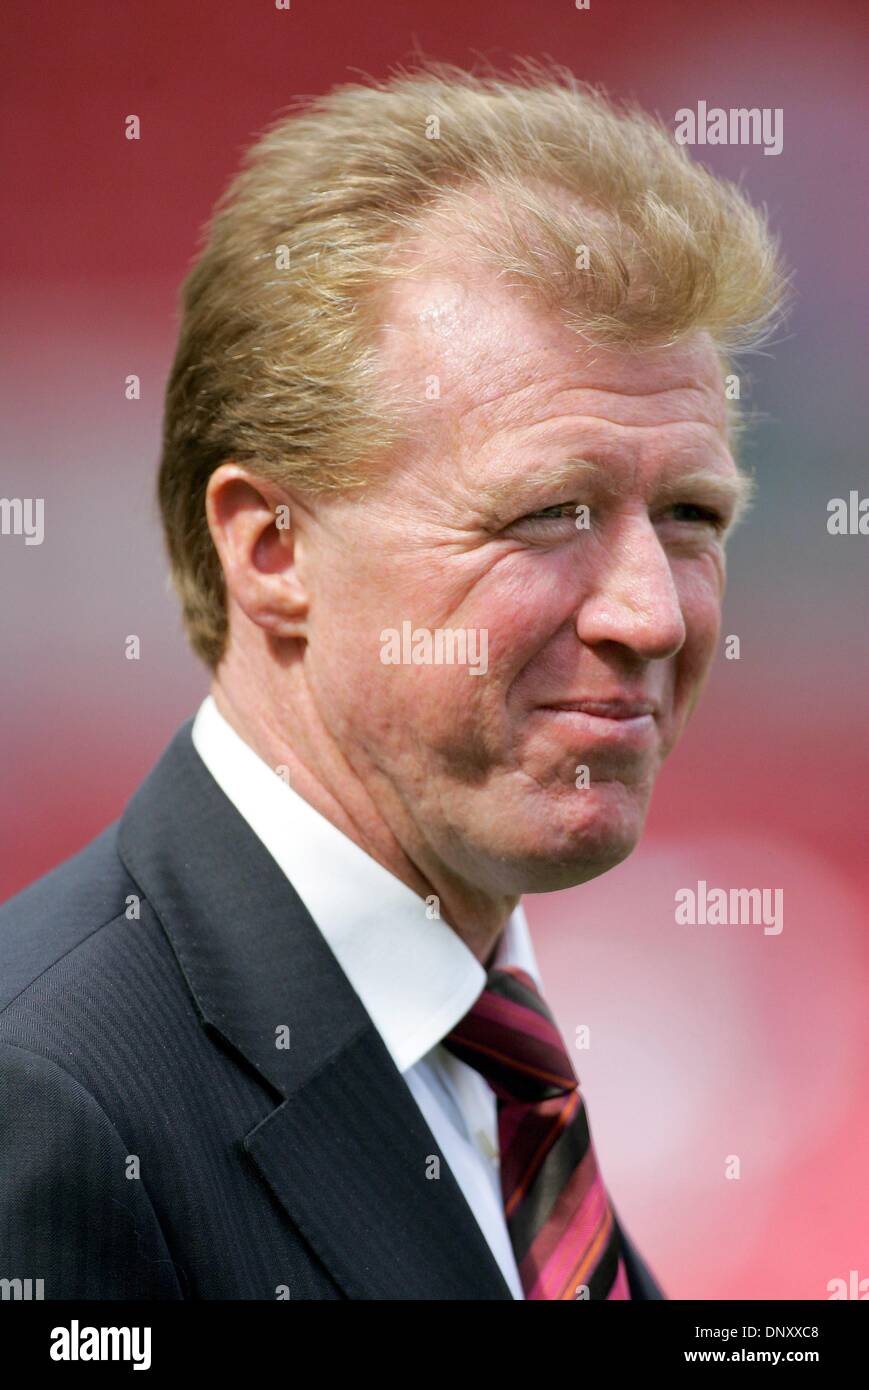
407,690
528,601
700,591
505,613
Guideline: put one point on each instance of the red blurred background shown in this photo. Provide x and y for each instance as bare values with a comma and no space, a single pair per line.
706,1042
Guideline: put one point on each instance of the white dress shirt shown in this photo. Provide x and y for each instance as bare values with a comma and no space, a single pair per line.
415,977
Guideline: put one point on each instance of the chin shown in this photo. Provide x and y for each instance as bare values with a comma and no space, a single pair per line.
587,861
569,850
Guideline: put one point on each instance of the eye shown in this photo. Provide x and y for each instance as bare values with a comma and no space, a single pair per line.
561,511
695,513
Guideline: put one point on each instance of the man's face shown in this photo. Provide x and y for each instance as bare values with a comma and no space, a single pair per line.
598,636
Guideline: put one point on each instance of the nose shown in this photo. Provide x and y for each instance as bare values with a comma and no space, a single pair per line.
631,596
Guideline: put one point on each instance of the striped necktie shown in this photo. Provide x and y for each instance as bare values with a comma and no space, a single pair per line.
564,1235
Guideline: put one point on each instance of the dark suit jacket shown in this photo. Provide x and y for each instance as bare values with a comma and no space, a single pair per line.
141,987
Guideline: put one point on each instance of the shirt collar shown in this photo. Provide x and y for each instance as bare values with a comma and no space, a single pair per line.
415,977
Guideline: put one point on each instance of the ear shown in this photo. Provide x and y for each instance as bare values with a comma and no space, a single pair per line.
250,520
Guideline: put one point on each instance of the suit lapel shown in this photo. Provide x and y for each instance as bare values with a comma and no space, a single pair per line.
346,1150
641,1281
353,1161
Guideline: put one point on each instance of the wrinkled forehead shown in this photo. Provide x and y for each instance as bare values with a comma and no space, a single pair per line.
477,347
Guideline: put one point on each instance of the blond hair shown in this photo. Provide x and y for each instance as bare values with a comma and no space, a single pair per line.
277,360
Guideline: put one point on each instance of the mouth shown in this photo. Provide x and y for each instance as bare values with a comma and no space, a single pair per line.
619,722
619,708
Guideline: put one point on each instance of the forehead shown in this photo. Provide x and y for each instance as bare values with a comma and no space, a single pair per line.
501,360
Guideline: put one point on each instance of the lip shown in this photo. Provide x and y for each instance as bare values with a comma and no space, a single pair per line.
626,724
616,708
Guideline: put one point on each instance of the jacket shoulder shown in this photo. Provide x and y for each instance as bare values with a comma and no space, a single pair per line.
48,920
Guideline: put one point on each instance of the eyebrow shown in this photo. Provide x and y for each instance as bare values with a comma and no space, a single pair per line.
733,492
543,477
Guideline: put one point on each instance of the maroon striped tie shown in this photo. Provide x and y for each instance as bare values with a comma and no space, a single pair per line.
562,1228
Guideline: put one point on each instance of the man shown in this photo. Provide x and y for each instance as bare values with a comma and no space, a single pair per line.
445,484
